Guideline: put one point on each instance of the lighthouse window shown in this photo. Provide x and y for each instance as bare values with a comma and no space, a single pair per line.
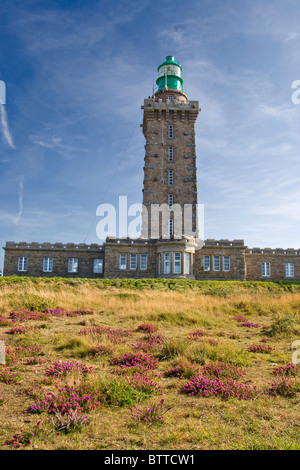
171,97
170,132
170,154
170,177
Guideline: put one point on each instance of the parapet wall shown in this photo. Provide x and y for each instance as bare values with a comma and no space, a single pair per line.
53,246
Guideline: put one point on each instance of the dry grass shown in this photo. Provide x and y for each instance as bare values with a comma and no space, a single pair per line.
193,422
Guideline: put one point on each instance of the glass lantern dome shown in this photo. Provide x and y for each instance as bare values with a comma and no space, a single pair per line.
169,75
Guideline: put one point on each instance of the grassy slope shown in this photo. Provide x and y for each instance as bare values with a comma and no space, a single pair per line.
176,308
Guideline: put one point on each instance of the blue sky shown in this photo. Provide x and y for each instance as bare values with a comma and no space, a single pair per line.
76,75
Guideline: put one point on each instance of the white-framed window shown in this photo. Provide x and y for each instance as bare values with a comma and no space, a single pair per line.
206,263
98,266
159,263
22,263
289,270
217,263
265,269
72,265
177,263
171,227
170,177
143,262
48,265
170,154
167,269
171,132
187,263
123,261
170,201
170,97
226,263
133,261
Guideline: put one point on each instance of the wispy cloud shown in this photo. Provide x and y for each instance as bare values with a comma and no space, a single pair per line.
5,130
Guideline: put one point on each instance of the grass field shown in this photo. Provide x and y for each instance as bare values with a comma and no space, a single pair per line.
149,364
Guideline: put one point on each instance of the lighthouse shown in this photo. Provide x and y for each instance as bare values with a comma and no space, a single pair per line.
170,171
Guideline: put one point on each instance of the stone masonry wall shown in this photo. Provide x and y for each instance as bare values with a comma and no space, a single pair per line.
113,250
36,252
277,259
234,249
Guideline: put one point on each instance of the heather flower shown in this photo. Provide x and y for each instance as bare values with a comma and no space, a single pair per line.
27,315
284,387
152,415
29,361
131,360
115,335
248,324
150,343
287,370
214,387
67,398
223,370
71,421
260,348
196,334
17,330
147,327
23,438
240,318
8,377
64,368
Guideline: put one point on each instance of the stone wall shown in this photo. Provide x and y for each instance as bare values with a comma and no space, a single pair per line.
234,249
277,259
36,252
115,247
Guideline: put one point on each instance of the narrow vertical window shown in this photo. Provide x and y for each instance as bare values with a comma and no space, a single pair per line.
186,263
206,263
170,154
226,263
48,265
265,269
133,261
170,201
143,262
98,266
171,227
123,261
22,263
159,263
216,263
177,263
170,132
170,177
289,270
167,263
72,265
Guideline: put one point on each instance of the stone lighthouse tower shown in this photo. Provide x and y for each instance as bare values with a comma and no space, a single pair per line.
170,178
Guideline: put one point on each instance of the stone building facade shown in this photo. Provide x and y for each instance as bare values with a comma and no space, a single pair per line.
169,246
